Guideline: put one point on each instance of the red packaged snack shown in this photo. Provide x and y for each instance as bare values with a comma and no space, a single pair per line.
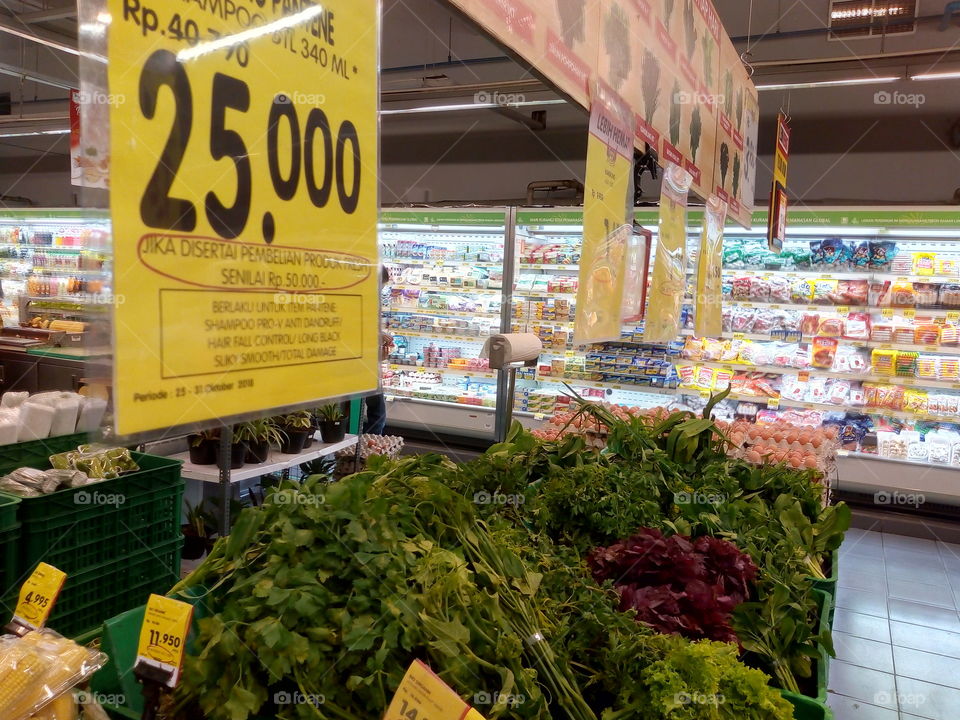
830,327
857,326
854,292
823,351
809,323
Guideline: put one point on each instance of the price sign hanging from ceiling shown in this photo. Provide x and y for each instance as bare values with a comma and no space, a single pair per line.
244,205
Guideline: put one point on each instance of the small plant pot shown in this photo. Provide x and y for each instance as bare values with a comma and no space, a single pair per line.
194,546
204,453
296,437
333,431
309,441
237,453
257,452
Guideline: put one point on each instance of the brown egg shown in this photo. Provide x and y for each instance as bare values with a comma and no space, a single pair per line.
811,462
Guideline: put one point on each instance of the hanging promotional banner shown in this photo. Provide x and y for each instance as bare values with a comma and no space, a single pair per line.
244,206
606,227
777,217
738,115
708,296
669,281
89,159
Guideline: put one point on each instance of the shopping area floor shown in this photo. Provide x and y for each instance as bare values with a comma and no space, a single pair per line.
896,629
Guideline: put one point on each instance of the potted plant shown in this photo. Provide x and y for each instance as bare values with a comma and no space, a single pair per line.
257,436
195,531
296,426
314,429
333,423
203,447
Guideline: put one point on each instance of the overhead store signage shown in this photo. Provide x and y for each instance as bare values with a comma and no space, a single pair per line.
777,217
606,224
692,100
244,205
422,695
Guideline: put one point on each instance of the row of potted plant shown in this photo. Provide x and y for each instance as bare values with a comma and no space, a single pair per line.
290,434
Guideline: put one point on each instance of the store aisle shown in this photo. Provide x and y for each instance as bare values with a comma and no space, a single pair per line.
897,629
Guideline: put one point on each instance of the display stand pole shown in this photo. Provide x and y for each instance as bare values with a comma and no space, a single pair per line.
503,415
226,491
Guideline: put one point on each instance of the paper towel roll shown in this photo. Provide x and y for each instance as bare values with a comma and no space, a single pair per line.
511,348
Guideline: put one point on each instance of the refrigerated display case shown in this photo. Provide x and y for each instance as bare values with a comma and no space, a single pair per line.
445,296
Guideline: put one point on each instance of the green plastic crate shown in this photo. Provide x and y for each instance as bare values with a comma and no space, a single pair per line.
8,511
806,709
36,453
90,597
829,585
76,528
9,549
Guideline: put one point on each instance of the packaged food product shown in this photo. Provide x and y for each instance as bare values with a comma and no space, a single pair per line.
741,288
950,295
801,291
906,363
853,292
838,392
918,451
809,324
927,366
947,266
857,397
902,294
816,254
926,334
779,290
861,255
816,389
883,362
924,263
713,349
792,388
882,332
928,294
949,335
834,253
831,327
902,331
823,291
915,401
759,289
948,368
857,326
823,352
882,253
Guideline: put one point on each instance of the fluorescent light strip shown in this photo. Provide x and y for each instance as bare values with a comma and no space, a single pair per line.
951,75
34,133
42,41
830,83
469,106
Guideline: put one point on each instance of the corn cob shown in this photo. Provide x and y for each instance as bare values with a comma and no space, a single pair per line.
21,685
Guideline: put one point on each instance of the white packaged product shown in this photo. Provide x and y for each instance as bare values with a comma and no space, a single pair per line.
939,448
13,399
91,413
918,450
9,426
67,408
35,421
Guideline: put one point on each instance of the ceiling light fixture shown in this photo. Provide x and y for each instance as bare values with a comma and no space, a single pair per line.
830,83
470,106
34,133
953,74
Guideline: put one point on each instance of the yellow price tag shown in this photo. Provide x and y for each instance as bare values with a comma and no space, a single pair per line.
827,276
803,376
739,336
887,312
773,403
774,307
163,635
909,313
37,596
953,318
424,696
843,309
705,394
538,416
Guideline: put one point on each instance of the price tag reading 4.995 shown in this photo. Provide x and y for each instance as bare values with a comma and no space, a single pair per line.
244,204
163,637
37,596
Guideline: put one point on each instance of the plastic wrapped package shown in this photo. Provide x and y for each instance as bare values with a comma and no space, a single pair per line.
824,290
713,349
906,363
915,401
816,390
940,448
902,294
816,254
13,399
832,327
860,260
853,292
741,289
809,324
792,388
779,290
950,295
731,350
50,664
882,253
782,353
759,289
883,362
764,322
948,368
903,332
801,358
928,294
727,319
743,320
878,293
949,335
857,326
838,392
801,291
36,419
927,367
881,332
926,334
758,353
823,351
91,413
834,254
857,396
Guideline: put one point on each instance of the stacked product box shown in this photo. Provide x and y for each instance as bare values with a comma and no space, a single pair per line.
546,402
635,364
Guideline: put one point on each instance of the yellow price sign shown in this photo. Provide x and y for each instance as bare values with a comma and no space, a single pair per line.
953,318
244,155
739,336
773,403
887,312
163,636
909,313
38,595
422,695
842,310
803,376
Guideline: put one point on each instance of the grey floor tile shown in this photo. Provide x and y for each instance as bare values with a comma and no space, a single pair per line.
863,580
926,700
875,566
865,653
925,638
921,593
870,603
871,627
902,542
916,572
870,686
927,615
857,549
913,559
949,551
862,537
921,665
845,708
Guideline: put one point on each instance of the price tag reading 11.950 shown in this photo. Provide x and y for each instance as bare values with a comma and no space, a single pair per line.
37,596
163,637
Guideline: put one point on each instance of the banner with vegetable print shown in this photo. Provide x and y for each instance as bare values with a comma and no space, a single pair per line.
606,224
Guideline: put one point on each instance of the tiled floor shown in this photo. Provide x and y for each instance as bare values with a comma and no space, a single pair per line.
896,630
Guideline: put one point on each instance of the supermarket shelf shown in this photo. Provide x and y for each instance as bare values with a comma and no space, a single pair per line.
900,461
826,275
813,372
440,403
436,336
58,248
440,312
485,374
604,385
431,262
782,402
539,266
937,349
942,279
797,306
275,463
532,294
450,289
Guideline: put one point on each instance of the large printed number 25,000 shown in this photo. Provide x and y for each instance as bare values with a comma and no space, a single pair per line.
159,210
